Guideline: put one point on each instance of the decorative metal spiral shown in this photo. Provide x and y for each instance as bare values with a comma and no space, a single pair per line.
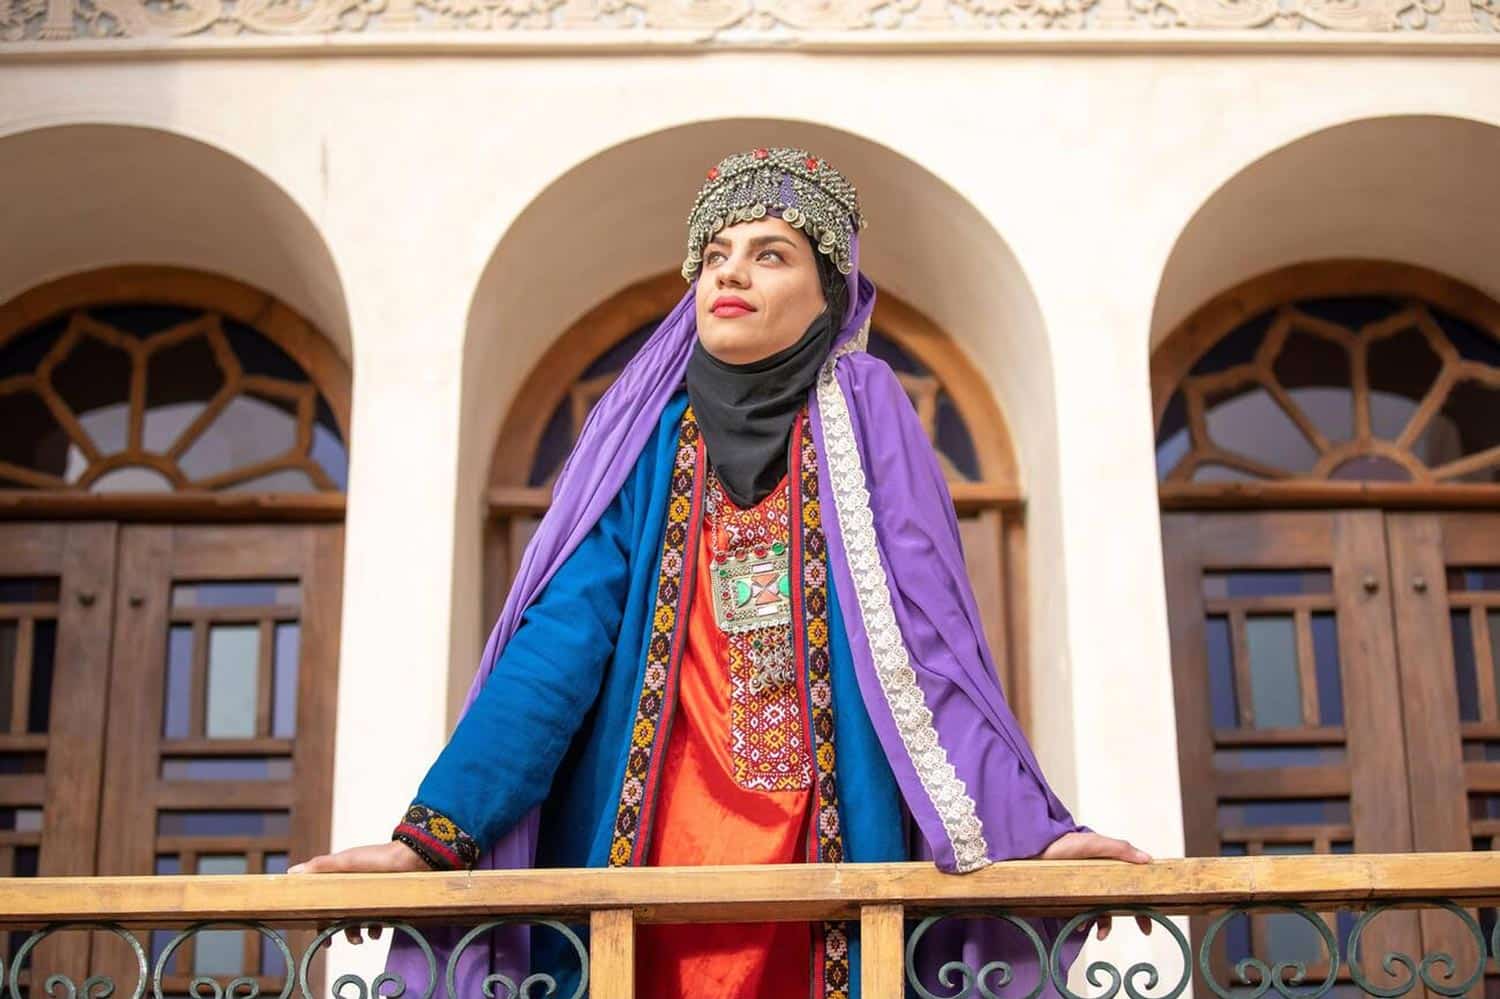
60,986
1129,978
208,987
968,980
497,980
361,988
1418,971
1286,978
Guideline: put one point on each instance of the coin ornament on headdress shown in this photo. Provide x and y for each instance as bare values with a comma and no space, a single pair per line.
804,190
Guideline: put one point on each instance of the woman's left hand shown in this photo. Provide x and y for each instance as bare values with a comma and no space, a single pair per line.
1093,846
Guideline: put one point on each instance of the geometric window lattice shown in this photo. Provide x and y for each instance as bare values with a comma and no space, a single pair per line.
1358,388
938,412
161,398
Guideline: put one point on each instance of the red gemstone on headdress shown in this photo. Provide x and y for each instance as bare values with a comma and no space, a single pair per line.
761,154
713,173
812,162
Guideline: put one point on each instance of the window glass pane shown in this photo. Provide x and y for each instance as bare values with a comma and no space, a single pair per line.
1325,634
282,593
1266,583
1369,468
1275,691
283,480
1288,812
21,819
223,864
33,438
284,686
219,952
226,768
177,706
1211,472
23,763
1251,423
94,380
43,661
9,637
1221,672
1276,757
225,823
1470,409
247,431
134,479
45,591
233,681
1314,372
1464,665
1401,366
1473,578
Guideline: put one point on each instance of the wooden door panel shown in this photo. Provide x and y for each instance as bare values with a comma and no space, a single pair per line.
1289,738
56,596
220,736
1446,575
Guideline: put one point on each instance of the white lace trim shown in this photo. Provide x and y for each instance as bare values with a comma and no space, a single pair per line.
947,791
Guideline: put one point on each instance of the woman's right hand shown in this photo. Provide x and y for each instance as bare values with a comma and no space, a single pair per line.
394,857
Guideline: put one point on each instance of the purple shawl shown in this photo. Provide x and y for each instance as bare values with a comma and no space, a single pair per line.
925,672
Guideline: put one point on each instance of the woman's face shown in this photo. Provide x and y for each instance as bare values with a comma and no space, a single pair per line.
758,291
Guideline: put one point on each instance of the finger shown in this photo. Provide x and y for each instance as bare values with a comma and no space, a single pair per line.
1106,923
1145,923
351,934
375,931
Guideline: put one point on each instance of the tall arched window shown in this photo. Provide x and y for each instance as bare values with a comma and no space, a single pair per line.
172,466
1328,446
951,399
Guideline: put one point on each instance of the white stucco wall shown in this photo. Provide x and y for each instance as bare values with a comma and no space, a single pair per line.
445,217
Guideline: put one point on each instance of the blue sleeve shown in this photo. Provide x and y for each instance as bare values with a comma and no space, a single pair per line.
501,758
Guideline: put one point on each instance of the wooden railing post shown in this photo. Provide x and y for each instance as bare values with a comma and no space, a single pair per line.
612,954
882,947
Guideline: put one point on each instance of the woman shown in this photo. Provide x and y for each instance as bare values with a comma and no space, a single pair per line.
743,632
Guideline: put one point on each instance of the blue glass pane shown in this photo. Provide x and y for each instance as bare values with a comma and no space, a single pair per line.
1221,672
1464,666
1325,635
177,706
1266,583
226,823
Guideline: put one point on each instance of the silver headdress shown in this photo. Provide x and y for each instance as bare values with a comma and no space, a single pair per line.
799,187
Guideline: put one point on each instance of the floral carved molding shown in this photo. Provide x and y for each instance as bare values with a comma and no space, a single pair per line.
769,21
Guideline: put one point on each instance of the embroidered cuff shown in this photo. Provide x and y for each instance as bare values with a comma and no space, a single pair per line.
436,839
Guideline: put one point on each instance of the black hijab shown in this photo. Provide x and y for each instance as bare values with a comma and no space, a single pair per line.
746,411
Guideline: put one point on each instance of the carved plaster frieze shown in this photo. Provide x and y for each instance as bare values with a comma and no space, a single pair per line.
775,22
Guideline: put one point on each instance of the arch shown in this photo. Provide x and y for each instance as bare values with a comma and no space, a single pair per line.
175,353
89,195
615,221
1367,189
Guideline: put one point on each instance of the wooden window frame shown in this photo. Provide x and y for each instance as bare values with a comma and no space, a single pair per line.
162,285
1172,361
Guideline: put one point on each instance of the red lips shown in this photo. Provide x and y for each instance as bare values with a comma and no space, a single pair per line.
729,306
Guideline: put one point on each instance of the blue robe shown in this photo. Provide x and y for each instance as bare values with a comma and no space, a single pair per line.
552,725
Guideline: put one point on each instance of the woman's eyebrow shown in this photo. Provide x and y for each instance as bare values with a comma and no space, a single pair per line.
755,242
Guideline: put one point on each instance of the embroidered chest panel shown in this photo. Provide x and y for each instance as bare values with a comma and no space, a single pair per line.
750,568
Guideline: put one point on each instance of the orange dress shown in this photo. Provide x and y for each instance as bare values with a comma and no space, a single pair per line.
736,787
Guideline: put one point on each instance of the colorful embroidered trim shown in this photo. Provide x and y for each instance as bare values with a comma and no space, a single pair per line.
753,600
668,624
436,839
826,845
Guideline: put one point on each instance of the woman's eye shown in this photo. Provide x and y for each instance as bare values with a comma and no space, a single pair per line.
772,254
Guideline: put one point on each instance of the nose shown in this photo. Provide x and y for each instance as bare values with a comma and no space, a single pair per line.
731,273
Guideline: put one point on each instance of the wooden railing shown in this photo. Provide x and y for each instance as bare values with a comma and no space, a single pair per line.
881,897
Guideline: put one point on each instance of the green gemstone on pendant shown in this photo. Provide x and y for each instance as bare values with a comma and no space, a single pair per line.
741,592
784,585
777,547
